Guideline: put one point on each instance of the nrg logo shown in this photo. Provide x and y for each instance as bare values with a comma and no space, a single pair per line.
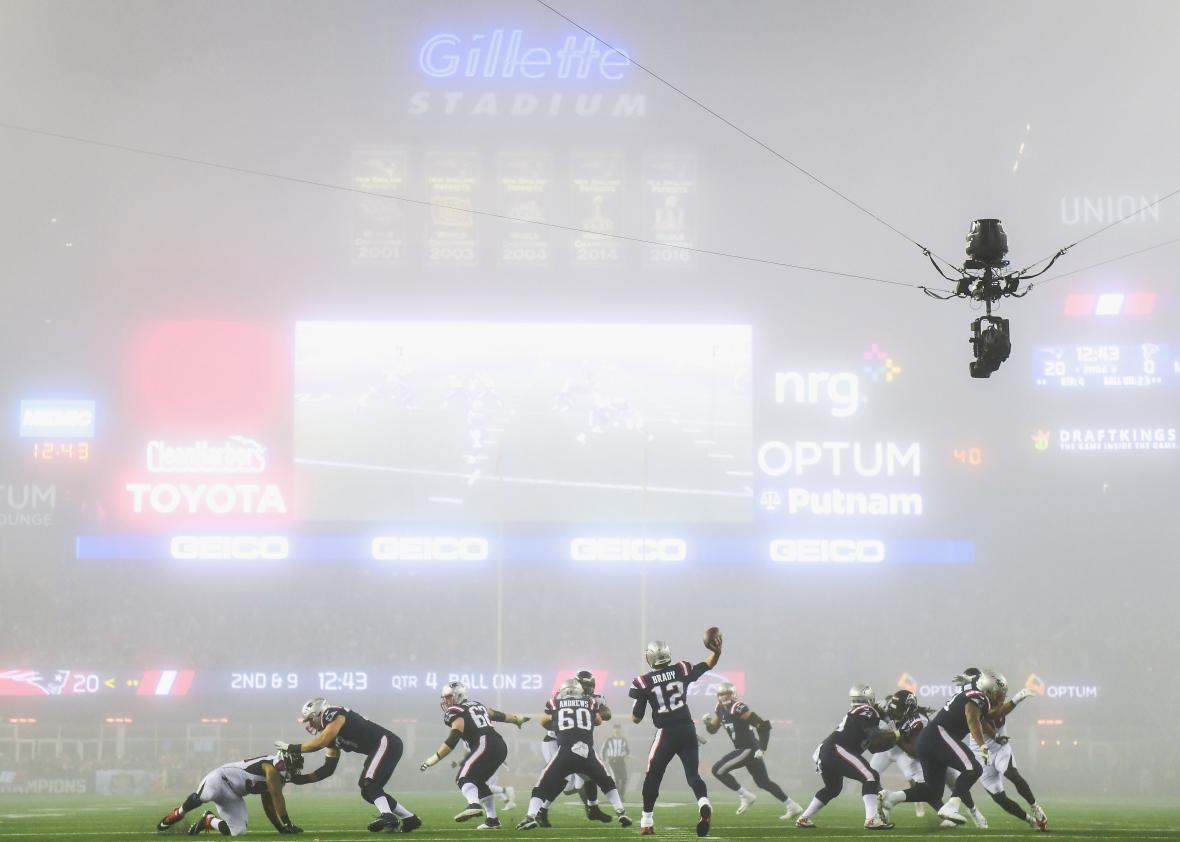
839,391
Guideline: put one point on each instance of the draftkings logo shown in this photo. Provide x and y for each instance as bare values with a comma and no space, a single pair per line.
1040,440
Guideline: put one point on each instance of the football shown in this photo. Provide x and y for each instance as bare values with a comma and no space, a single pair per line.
712,637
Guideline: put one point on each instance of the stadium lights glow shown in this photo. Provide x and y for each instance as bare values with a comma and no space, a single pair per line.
215,720
21,720
119,720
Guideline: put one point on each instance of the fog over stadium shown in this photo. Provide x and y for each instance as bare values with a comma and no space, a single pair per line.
355,349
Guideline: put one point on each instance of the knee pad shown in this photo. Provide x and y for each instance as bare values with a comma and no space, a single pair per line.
370,791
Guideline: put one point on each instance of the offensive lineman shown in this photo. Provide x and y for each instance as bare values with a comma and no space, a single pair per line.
227,786
572,715
340,728
471,722
587,790
750,735
941,747
839,757
665,688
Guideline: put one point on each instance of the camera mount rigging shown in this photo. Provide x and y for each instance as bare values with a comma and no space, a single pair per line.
981,278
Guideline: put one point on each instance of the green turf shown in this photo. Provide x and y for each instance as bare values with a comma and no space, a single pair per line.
341,817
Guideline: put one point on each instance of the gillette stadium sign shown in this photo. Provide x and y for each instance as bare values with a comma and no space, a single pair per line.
578,74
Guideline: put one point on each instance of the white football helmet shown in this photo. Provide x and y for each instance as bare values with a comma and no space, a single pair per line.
657,654
993,685
725,692
312,715
453,693
571,688
861,694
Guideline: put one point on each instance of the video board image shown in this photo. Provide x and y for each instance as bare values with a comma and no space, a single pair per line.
522,423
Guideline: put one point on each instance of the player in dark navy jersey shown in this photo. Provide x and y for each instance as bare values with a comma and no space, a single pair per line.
572,716
344,729
471,722
840,756
941,747
665,689
750,735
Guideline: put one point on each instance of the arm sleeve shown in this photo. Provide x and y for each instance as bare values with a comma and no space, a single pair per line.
325,771
696,671
496,715
453,738
639,708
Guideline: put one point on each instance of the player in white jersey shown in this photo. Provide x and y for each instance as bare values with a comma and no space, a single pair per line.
999,763
227,787
904,715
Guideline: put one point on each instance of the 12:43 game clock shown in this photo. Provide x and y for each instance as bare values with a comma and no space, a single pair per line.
61,451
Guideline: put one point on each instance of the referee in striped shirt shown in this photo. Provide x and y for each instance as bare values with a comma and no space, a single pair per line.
615,752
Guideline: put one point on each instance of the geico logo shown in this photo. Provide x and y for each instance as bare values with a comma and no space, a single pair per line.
391,548
239,547
57,418
628,549
206,498
873,459
837,550
841,391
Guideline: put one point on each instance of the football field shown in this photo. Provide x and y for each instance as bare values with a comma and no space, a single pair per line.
341,817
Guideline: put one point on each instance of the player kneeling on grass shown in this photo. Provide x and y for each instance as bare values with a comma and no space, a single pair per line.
573,716
227,786
339,728
839,757
750,735
471,722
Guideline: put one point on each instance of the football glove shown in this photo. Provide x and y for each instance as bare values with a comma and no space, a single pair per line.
985,756
289,748
1025,693
428,762
758,754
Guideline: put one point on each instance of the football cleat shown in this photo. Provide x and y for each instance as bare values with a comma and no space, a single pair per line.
509,799
950,814
979,818
202,824
543,817
1040,820
703,823
385,821
528,823
489,824
920,809
471,811
793,809
947,823
745,801
410,823
595,814
647,831
884,808
624,819
878,823
172,818
805,822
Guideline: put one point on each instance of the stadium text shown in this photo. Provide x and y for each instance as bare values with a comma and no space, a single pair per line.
840,391
501,54
227,547
429,548
800,501
628,549
205,498
827,550
236,455
779,458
